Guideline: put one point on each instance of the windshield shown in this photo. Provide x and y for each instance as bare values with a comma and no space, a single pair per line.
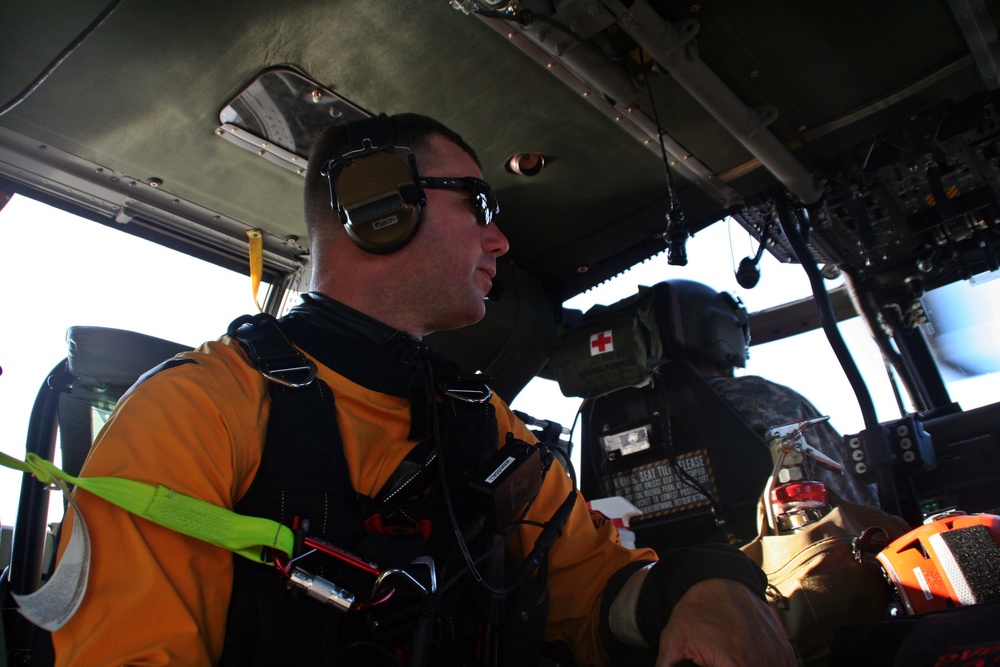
964,331
963,328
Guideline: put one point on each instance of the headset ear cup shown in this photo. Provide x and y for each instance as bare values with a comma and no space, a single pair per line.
376,203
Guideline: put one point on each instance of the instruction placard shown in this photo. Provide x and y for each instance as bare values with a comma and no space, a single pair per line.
659,488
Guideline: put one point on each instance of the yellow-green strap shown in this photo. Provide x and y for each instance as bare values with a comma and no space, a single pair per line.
245,535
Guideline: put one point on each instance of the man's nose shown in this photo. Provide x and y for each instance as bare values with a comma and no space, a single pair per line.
494,241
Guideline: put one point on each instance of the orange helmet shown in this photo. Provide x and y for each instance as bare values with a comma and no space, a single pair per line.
952,560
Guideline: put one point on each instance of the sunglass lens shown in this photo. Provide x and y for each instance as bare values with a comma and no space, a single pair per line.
484,200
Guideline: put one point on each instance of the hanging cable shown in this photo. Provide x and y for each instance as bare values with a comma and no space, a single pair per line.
65,53
877,447
676,234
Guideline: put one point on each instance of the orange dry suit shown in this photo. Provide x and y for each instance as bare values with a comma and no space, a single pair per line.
199,425
432,608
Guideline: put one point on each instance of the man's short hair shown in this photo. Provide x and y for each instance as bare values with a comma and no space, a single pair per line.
412,131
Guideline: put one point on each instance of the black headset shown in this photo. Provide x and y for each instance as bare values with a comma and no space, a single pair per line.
375,188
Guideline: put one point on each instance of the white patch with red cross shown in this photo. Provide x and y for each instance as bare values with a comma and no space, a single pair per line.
601,343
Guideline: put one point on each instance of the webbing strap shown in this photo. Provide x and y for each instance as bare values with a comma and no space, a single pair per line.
250,537
255,239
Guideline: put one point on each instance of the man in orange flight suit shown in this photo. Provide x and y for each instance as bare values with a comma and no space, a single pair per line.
199,426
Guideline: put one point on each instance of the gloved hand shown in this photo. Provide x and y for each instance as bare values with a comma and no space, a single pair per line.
722,623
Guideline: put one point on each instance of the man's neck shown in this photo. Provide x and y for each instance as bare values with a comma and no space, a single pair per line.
384,310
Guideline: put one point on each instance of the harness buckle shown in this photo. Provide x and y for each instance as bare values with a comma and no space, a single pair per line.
425,590
469,389
293,377
271,352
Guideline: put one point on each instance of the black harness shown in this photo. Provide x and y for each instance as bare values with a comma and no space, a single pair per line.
408,529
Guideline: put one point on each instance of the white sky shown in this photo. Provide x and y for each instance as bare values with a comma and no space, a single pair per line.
62,271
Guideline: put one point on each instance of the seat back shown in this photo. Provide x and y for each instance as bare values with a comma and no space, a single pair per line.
653,429
102,363
680,453
74,401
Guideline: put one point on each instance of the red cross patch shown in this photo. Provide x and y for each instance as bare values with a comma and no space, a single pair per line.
601,343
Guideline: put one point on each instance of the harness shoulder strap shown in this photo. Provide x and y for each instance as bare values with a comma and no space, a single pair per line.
303,451
302,476
271,352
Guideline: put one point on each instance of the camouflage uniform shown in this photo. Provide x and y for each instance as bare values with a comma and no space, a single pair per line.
765,404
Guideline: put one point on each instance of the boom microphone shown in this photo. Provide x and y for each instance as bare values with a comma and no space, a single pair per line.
497,290
748,275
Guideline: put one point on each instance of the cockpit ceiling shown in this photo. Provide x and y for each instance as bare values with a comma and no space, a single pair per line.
750,96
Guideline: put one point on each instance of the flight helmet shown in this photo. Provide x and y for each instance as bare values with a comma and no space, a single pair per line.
701,325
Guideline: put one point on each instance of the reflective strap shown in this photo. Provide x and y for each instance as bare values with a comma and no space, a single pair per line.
247,536
256,241
622,614
55,601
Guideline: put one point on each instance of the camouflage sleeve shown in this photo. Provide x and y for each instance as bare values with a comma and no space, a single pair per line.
765,404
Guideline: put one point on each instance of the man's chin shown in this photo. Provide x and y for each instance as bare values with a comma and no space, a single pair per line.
470,316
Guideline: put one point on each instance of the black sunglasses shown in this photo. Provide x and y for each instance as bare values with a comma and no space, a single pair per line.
484,200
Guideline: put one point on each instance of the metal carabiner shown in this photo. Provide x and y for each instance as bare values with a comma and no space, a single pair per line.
326,591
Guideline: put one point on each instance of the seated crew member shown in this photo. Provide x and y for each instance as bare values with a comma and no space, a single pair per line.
199,424
713,335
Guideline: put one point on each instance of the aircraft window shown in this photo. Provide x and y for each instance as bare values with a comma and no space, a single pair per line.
963,329
806,363
61,270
